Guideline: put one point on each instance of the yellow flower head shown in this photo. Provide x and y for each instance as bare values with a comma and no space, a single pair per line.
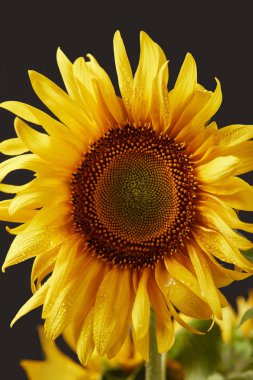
58,366
231,318
132,201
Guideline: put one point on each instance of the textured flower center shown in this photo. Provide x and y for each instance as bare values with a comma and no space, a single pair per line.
135,197
132,196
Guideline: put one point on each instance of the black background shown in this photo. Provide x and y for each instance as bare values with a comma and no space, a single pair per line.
219,37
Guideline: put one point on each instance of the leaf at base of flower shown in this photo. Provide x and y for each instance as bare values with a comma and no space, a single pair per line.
198,354
246,316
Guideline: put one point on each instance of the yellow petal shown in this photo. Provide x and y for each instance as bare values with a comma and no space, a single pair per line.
198,101
108,119
65,297
66,259
66,70
160,104
234,134
62,106
242,200
13,147
203,114
184,87
35,301
47,216
12,189
142,345
122,325
215,244
28,245
212,219
89,100
223,276
181,296
218,169
35,194
107,90
60,313
128,358
35,116
114,294
187,302
85,344
228,324
141,308
151,60
20,216
180,273
92,272
27,161
180,320
234,191
30,200
205,278
229,186
42,266
56,364
164,326
124,71
51,149
17,230
229,216
244,152
203,141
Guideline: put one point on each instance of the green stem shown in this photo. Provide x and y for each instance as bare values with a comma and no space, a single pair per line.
155,369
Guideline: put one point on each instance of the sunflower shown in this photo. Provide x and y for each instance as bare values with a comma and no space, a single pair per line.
59,366
132,204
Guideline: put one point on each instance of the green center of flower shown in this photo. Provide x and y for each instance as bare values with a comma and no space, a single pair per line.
133,197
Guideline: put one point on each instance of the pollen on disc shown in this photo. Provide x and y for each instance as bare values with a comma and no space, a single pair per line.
135,196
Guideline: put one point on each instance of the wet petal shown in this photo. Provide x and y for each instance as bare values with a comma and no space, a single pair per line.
28,245
151,60
214,243
85,344
35,301
205,278
124,71
113,295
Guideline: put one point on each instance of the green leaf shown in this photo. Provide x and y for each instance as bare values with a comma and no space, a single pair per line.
199,355
246,316
248,254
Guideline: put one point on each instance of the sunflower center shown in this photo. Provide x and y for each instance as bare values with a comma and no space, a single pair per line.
133,196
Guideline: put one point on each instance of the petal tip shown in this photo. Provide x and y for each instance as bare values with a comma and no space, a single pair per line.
32,74
117,34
